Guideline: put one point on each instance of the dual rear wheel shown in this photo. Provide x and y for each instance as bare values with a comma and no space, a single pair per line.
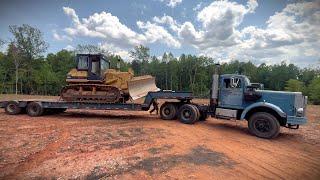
186,113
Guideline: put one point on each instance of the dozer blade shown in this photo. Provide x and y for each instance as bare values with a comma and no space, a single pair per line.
140,86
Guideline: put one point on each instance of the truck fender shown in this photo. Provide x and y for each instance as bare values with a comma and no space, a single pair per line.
263,104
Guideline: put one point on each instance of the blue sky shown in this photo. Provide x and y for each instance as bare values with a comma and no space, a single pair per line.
260,31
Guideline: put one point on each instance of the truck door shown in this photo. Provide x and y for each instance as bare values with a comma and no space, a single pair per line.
231,92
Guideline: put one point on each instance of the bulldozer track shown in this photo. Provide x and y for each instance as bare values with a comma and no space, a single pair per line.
91,93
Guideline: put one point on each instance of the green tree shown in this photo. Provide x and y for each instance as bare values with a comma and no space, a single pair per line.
141,56
6,72
60,63
314,90
45,79
15,54
294,85
28,42
115,59
1,43
91,49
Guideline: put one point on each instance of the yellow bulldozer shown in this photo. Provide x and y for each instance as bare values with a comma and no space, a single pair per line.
94,81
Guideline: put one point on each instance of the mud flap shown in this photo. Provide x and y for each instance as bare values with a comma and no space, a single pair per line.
140,86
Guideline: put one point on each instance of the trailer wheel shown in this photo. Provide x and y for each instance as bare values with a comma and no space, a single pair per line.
35,109
168,111
188,114
13,108
264,125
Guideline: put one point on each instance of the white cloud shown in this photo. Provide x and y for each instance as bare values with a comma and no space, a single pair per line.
172,3
72,13
109,28
59,37
291,34
198,6
219,21
154,33
116,36
124,54
69,48
168,20
252,5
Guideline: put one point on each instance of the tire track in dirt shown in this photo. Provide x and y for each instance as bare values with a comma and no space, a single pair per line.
268,165
37,158
239,153
253,165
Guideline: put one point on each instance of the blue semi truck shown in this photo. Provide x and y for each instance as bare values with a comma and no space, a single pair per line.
232,96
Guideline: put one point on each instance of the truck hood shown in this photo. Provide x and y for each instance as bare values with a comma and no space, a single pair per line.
289,102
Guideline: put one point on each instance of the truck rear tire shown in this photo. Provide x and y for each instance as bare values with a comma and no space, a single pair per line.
34,109
168,111
264,125
188,114
12,108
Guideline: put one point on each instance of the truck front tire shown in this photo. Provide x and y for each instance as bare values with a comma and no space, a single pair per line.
264,125
168,111
188,114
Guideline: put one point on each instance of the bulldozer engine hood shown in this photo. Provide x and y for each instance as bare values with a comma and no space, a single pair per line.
75,74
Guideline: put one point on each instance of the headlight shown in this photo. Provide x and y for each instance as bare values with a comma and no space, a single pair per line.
69,76
300,112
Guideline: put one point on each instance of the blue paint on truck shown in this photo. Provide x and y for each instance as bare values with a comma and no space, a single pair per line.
236,92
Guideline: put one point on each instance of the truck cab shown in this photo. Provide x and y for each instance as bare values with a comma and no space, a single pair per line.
265,110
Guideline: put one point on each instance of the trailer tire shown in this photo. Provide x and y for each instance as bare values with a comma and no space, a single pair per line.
188,114
35,109
264,125
12,108
168,111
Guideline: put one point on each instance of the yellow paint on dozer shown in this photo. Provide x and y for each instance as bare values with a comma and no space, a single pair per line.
140,86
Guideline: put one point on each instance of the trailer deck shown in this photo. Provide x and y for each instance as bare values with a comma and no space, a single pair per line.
15,106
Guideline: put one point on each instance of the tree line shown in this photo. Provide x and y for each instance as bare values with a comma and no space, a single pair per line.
24,69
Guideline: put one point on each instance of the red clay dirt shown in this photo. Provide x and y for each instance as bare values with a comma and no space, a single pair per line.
87,144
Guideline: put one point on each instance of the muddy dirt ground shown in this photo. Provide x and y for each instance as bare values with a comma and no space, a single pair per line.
86,144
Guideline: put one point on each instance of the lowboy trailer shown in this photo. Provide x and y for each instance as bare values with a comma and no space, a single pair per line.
37,107
232,96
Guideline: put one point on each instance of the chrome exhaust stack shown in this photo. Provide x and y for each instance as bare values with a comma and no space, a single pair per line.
214,88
